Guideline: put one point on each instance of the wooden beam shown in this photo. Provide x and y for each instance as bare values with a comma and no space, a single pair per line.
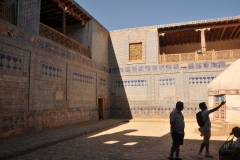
219,30
177,38
182,38
43,2
213,33
206,35
49,10
190,36
59,20
237,32
186,37
52,17
59,23
162,43
170,37
199,37
226,33
54,13
232,32
165,41
44,7
222,33
194,33
63,22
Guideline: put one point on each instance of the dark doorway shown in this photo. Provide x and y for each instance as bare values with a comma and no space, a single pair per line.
100,108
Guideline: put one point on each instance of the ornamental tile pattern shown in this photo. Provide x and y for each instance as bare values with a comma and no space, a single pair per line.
29,19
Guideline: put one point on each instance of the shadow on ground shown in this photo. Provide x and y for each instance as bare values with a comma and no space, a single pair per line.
117,144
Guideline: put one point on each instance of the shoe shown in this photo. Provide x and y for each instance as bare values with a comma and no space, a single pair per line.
170,158
199,155
178,158
208,155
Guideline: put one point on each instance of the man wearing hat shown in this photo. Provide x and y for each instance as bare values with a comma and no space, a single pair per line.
234,153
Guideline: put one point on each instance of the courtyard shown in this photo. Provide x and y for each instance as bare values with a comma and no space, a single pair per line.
125,140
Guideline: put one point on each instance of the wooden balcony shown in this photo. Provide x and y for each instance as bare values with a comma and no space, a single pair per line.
62,39
209,55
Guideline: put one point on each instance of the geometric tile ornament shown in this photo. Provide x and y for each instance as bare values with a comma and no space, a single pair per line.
14,80
200,80
29,19
20,38
152,46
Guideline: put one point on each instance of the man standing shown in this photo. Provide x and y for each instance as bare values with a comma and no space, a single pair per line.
206,129
177,130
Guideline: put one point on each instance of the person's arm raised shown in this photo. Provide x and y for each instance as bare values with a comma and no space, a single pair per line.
216,108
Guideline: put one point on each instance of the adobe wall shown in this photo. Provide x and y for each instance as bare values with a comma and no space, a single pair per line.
44,84
149,89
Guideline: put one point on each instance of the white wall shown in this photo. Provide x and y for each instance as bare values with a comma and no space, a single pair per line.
232,116
233,100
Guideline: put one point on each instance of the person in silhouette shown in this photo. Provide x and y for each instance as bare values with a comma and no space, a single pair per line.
177,130
206,129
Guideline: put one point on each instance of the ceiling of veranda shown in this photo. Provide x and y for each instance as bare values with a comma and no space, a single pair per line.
186,34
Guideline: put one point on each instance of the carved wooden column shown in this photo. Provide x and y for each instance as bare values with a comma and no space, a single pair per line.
203,40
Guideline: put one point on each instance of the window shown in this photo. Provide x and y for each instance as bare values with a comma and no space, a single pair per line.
8,11
219,114
135,52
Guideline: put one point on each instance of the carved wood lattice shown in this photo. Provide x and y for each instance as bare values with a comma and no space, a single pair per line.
236,54
188,57
173,58
223,55
63,40
135,51
205,56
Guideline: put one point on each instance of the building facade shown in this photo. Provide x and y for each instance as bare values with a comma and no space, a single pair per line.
153,67
59,66
47,77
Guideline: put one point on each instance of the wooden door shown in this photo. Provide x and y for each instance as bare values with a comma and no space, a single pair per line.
220,114
100,108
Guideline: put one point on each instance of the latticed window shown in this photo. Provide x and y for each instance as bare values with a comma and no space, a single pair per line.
7,11
135,51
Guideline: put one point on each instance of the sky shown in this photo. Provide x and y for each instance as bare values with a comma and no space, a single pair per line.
123,14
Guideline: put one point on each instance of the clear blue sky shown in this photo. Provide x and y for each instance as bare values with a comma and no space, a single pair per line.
122,14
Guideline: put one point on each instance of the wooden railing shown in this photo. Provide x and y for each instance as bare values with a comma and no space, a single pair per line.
209,55
62,39
6,13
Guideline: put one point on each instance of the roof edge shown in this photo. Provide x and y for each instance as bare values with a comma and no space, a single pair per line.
179,24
